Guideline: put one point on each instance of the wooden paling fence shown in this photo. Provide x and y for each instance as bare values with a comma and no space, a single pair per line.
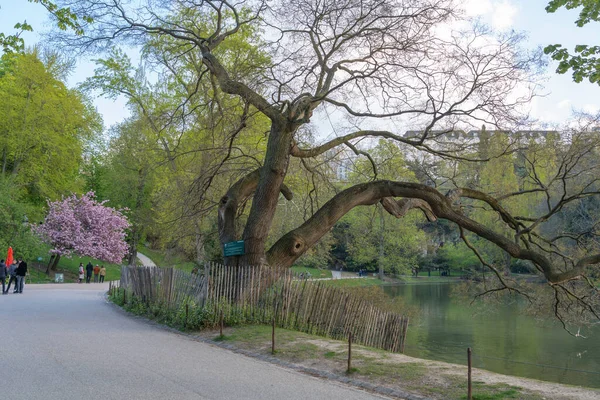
261,294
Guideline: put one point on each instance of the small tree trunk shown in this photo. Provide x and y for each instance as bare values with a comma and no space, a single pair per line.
132,256
200,253
49,266
55,263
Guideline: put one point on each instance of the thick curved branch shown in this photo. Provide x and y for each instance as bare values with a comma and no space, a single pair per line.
237,194
292,245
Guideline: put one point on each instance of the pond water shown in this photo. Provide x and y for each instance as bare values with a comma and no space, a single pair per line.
503,340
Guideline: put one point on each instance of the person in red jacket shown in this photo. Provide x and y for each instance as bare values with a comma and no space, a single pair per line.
96,273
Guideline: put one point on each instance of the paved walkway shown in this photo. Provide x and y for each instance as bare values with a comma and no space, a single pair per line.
65,342
146,262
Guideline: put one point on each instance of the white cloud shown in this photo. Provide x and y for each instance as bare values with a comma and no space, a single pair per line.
566,103
591,108
499,13
476,8
504,14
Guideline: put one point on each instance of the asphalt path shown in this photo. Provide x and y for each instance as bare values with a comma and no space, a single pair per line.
145,261
66,342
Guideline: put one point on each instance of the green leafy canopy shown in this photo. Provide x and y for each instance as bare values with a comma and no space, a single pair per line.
584,63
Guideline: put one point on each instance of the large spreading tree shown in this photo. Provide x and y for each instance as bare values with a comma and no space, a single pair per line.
374,69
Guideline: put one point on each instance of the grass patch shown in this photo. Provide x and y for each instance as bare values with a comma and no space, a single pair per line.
349,283
506,394
391,372
297,351
315,273
162,259
36,276
70,266
330,354
483,391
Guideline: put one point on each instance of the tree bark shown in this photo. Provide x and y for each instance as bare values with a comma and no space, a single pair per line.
50,262
237,194
381,241
55,263
266,197
132,256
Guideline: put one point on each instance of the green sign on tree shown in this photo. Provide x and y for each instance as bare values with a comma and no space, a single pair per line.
234,248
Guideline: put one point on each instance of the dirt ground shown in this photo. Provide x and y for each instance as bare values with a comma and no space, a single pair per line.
423,378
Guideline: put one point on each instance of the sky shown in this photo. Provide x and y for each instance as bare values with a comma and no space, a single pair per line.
562,95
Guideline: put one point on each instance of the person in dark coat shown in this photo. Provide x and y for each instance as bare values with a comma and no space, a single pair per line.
89,268
3,276
21,272
12,272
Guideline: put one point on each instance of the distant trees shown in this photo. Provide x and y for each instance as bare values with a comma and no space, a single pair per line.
86,227
44,126
45,131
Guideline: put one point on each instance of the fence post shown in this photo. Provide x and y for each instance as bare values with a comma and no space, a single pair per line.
273,336
404,330
187,310
275,304
221,323
469,389
349,353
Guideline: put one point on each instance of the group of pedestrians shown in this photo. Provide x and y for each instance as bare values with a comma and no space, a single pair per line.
16,273
99,272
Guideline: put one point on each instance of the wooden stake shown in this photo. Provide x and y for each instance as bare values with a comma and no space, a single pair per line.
221,324
349,353
469,388
273,337
187,310
404,330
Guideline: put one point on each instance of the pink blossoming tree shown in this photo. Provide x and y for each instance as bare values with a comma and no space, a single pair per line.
84,226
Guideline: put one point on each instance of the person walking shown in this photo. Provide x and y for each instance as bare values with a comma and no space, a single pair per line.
12,272
3,276
96,273
89,268
21,272
81,272
102,273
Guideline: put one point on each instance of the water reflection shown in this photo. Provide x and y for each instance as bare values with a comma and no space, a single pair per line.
503,340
